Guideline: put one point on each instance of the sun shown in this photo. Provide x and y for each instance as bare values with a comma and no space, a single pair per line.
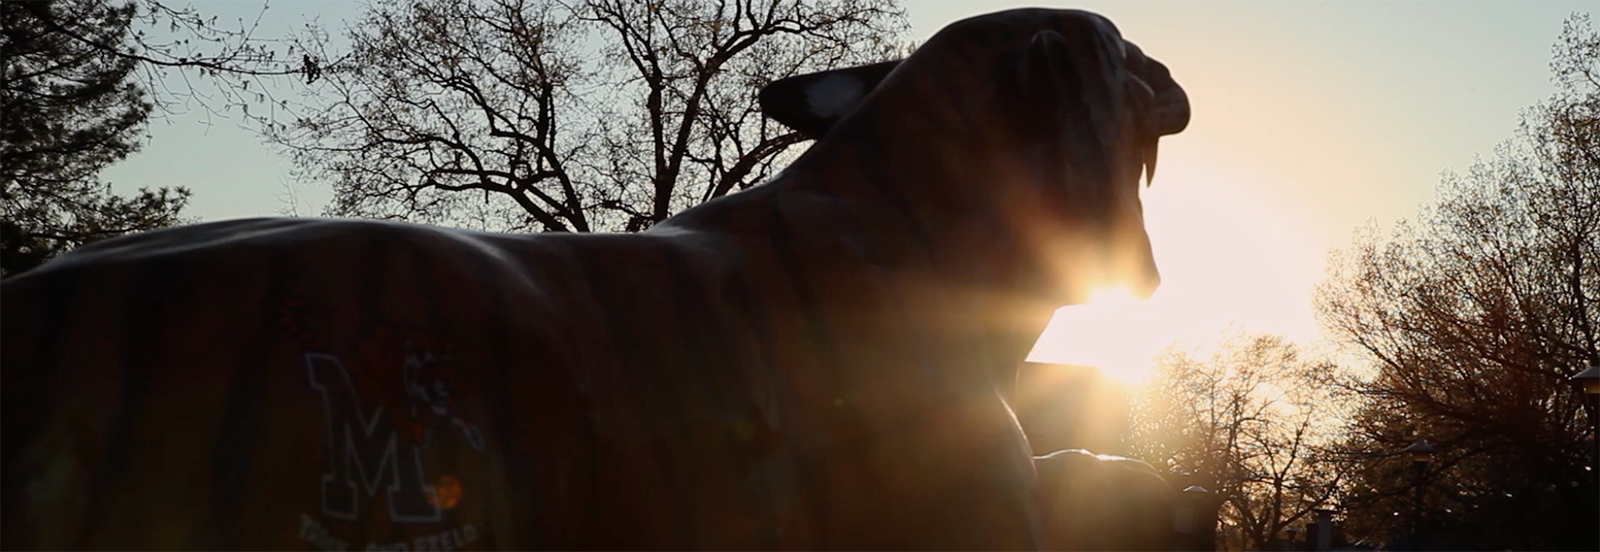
1229,257
1110,332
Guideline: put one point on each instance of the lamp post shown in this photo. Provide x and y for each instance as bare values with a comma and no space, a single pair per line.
1324,530
1588,384
1195,518
1421,453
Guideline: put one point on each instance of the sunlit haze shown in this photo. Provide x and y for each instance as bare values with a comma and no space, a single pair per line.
1110,332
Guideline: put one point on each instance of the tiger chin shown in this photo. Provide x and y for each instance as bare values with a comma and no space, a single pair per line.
803,365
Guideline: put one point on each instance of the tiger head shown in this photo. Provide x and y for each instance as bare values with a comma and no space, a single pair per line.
1019,137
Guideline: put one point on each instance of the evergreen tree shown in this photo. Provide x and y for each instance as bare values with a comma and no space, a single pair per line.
71,106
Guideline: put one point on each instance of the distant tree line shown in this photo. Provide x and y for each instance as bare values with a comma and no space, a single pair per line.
1466,324
1474,318
1251,423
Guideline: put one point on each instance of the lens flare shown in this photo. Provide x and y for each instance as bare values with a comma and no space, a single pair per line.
447,492
1110,332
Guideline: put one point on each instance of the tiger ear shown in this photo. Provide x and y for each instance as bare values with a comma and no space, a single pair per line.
812,103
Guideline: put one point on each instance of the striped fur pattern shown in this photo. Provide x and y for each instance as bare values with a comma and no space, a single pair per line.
800,365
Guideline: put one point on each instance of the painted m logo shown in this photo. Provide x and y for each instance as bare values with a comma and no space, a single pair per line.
368,450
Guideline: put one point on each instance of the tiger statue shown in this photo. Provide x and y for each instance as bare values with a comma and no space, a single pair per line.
758,371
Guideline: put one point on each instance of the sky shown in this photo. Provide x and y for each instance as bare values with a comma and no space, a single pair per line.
1311,119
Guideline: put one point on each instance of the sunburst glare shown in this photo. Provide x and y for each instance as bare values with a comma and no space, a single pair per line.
1110,332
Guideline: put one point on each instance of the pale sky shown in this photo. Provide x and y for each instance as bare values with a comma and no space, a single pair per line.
1310,119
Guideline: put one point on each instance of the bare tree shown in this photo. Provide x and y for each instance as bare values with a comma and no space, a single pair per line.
542,115
1250,423
1474,316
174,50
